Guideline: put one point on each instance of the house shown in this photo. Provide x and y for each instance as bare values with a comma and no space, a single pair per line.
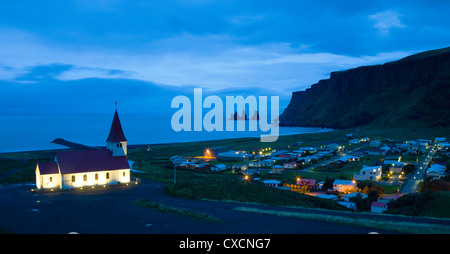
365,139
290,165
344,185
311,183
75,169
260,164
269,162
375,143
277,169
347,204
271,183
438,140
436,171
219,167
378,207
395,165
234,156
349,158
368,173
354,141
334,147
250,171
238,167
347,197
375,151
328,196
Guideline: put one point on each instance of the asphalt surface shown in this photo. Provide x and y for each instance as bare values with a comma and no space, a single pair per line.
110,211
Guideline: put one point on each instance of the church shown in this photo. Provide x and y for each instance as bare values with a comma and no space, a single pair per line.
76,169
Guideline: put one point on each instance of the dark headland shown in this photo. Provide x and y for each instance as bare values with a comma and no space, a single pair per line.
410,92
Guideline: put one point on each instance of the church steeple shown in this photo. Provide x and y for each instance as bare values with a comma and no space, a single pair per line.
116,141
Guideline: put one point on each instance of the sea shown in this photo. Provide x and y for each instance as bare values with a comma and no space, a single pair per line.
31,132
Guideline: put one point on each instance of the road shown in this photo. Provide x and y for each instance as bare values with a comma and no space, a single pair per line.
110,211
411,186
307,169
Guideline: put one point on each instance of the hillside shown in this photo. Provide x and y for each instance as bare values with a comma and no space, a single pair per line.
411,92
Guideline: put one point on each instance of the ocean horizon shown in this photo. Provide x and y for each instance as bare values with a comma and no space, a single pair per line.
33,132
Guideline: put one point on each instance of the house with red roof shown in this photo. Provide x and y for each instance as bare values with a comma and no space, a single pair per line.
75,169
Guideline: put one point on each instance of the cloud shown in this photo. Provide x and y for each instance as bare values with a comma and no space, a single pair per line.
386,20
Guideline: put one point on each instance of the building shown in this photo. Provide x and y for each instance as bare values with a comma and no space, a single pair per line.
328,196
234,156
368,173
347,197
375,143
260,164
219,167
354,141
378,207
290,165
75,169
277,169
436,171
311,183
344,185
271,183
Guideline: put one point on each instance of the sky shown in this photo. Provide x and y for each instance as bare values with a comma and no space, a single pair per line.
82,55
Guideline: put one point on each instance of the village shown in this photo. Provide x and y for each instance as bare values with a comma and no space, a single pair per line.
372,172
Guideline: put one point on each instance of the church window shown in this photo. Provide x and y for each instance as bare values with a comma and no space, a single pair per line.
73,178
51,179
123,173
96,176
85,178
107,175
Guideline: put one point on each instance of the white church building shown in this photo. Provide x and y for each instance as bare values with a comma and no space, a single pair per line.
75,169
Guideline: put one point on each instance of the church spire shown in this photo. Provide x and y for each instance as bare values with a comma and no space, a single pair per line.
116,141
116,132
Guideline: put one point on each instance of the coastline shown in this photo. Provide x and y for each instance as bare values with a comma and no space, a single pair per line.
133,146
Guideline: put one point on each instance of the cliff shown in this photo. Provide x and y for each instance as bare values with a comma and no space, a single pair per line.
411,92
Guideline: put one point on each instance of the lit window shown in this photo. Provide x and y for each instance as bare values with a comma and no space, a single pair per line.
107,175
51,179
73,178
124,173
96,176
85,178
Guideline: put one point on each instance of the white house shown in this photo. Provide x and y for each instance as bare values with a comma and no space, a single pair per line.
347,197
368,173
271,183
354,141
378,207
375,143
344,185
277,169
349,205
219,167
436,171
328,196
75,169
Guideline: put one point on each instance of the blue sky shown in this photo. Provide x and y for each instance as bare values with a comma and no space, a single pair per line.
107,50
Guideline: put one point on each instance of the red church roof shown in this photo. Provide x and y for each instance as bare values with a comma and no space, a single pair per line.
116,132
49,167
89,160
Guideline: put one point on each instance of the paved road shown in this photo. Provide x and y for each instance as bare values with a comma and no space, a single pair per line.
110,211
325,162
411,186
